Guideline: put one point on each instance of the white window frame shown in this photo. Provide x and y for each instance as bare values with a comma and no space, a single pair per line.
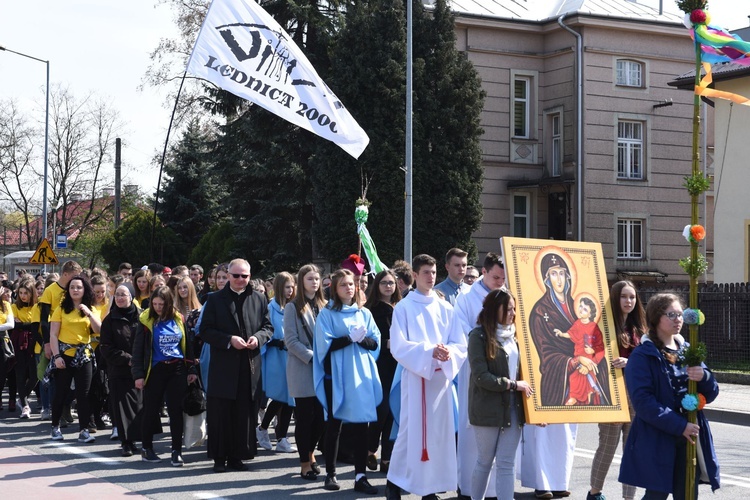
628,225
631,150
530,119
556,144
629,73
526,217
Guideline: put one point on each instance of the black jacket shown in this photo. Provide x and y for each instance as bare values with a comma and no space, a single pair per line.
218,324
116,341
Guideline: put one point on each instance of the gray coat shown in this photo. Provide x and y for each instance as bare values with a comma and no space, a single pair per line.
299,368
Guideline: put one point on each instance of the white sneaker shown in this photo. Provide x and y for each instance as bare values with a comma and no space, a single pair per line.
264,441
284,446
85,437
56,435
115,435
46,414
26,412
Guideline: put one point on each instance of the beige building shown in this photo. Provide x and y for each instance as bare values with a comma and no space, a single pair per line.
598,155
728,214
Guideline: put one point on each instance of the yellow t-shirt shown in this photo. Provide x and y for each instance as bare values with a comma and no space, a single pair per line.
52,295
74,329
100,312
5,312
28,314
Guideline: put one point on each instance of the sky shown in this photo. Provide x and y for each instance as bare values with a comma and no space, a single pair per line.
103,46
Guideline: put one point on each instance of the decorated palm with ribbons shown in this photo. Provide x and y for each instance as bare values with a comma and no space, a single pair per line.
713,45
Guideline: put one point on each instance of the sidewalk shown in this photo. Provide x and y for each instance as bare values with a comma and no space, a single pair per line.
28,475
732,406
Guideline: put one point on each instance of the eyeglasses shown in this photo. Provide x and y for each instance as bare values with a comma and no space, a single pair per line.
673,315
388,283
238,276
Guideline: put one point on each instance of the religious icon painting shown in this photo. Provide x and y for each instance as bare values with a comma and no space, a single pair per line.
566,335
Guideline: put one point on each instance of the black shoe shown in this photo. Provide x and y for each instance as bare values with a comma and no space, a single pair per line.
598,496
332,484
148,455
236,464
309,475
372,462
315,467
133,447
363,486
126,451
177,459
392,492
560,493
542,494
431,496
220,466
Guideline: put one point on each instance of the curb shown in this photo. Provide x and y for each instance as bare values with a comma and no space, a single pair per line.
727,417
732,378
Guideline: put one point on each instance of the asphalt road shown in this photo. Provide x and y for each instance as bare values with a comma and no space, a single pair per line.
275,475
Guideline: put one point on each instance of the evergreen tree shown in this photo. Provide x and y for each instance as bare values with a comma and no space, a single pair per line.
448,101
190,202
368,76
269,160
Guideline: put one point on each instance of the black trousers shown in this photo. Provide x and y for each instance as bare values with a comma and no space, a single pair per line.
82,376
166,382
333,431
26,378
283,413
308,426
382,428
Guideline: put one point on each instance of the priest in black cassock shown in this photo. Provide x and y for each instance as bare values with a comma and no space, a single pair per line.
235,324
556,310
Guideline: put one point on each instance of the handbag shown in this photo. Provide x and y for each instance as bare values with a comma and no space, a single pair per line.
194,430
7,352
194,402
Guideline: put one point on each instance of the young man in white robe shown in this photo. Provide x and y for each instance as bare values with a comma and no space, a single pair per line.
431,350
466,312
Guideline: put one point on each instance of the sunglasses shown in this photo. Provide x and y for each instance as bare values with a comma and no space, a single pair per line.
238,276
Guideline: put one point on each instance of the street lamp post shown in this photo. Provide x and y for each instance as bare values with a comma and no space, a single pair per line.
46,141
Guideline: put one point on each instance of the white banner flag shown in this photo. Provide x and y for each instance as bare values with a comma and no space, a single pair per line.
243,50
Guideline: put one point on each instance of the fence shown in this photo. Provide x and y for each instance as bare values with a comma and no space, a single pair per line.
726,331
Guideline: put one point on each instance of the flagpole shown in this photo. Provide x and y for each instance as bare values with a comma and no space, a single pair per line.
161,166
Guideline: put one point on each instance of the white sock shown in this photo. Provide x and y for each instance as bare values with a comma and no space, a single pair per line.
359,476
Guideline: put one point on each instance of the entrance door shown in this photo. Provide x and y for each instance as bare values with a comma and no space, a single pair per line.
557,227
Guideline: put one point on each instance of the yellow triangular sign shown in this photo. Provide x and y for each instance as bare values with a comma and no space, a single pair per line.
44,254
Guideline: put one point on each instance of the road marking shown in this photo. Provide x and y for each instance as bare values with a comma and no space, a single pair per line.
207,495
728,479
84,454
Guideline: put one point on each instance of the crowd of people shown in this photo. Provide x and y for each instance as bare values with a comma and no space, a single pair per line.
427,375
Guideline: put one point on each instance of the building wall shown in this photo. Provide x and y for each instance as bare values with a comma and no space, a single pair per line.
500,49
731,167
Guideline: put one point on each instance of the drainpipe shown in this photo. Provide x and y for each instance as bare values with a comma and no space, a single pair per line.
579,122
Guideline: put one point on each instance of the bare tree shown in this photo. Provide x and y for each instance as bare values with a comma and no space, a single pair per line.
19,184
82,137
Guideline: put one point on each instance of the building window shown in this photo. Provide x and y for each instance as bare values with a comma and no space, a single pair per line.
522,107
630,150
629,73
521,215
556,145
630,239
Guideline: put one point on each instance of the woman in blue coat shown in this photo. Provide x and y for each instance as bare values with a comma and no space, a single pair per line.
274,355
345,347
657,380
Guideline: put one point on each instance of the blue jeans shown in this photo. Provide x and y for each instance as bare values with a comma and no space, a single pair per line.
500,445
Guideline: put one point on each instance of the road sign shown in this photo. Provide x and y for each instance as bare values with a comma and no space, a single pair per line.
62,241
44,254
